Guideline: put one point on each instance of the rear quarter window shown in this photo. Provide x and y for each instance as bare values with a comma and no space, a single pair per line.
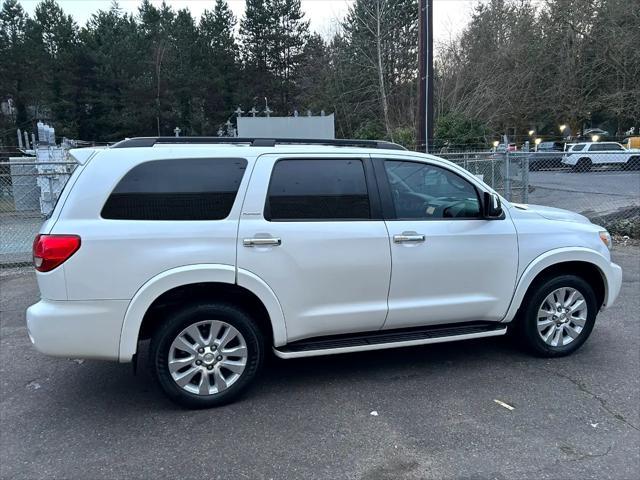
177,189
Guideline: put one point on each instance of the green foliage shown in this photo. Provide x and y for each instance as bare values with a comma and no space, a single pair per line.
519,64
455,131
370,130
274,35
405,136
526,64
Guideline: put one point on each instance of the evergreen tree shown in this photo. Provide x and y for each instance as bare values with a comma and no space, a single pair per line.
221,65
112,100
13,78
184,73
156,25
53,38
255,28
287,40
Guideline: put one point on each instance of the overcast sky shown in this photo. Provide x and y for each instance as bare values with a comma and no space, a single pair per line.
449,16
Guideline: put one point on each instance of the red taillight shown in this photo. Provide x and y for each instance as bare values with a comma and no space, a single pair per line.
50,251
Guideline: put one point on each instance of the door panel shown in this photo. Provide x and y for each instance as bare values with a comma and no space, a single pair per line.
331,276
463,271
449,265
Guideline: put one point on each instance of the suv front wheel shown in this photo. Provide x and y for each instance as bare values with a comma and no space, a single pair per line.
206,355
557,316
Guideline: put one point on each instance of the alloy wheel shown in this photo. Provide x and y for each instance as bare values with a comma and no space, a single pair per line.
207,357
562,317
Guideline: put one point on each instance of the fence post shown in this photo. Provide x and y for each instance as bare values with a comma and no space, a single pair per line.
493,174
525,179
507,176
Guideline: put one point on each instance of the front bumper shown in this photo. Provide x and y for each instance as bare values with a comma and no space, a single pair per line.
614,284
84,329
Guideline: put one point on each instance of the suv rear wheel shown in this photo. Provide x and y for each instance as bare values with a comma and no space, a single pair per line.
558,316
206,355
633,163
583,165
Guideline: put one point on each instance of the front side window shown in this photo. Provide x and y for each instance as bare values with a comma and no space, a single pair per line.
318,189
428,192
177,189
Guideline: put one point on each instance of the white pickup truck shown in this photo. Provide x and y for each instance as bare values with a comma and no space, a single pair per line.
582,156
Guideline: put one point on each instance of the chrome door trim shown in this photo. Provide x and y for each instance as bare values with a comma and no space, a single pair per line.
261,242
404,238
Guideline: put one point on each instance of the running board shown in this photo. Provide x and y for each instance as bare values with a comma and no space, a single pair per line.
382,339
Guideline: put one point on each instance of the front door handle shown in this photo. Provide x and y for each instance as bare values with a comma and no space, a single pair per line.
261,242
408,238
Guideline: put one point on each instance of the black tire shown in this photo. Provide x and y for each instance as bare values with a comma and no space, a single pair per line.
525,327
583,165
633,163
192,314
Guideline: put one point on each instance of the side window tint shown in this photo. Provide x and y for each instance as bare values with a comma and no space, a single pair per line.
577,148
424,191
318,189
177,189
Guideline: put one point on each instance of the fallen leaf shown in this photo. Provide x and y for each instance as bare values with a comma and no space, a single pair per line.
505,405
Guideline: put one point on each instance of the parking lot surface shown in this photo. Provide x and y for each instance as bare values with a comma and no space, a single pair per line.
600,192
425,412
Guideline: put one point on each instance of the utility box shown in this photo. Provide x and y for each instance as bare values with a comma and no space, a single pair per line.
319,127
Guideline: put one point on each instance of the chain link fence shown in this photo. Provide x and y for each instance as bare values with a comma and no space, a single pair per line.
29,191
603,186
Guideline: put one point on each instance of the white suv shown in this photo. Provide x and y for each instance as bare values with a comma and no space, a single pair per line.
218,250
582,156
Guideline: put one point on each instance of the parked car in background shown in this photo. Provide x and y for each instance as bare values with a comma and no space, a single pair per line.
503,148
581,157
548,155
631,143
596,131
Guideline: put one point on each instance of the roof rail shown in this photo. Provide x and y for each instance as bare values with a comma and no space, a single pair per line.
254,142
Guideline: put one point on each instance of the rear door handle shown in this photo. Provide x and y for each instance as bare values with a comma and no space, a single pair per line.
408,238
261,242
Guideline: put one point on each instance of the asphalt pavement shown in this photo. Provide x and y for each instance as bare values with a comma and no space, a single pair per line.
424,412
595,193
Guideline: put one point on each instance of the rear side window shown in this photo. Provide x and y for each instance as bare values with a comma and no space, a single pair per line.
177,189
577,148
322,189
613,147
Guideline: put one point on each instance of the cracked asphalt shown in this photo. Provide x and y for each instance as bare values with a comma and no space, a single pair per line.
437,415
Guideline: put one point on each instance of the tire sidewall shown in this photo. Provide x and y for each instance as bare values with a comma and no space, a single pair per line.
176,323
530,316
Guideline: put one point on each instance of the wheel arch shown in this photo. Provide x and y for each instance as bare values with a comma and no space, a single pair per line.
209,281
588,264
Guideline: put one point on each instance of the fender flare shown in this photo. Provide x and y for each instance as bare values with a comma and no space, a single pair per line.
553,257
188,274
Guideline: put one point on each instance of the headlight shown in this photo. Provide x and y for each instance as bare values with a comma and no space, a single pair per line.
606,239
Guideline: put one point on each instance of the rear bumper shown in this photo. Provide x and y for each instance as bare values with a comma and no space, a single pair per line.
85,329
614,284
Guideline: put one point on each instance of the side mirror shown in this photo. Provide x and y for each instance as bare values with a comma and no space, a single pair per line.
492,206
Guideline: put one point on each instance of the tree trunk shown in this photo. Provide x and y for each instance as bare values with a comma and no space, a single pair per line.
383,94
